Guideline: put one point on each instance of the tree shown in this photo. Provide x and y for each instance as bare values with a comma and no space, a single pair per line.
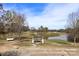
43,32
26,28
11,21
1,7
15,21
2,27
73,24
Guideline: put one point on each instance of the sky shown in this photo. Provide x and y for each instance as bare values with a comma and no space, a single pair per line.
51,15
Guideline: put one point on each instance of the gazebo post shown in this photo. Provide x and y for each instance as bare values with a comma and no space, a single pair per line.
42,40
32,40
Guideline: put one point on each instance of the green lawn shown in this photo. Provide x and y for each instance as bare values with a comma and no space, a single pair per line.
58,41
49,34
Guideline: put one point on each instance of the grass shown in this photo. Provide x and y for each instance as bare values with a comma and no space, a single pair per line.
3,41
28,36
49,34
58,41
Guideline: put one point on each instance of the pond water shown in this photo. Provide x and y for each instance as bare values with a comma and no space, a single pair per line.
61,37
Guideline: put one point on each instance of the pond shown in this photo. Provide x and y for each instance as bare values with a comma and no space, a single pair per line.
61,37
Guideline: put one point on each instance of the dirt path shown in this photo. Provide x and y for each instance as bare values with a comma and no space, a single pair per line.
39,51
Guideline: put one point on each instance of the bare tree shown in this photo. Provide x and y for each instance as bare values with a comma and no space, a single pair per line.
11,21
73,23
15,22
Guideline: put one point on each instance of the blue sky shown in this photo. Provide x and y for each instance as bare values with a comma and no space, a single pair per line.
52,15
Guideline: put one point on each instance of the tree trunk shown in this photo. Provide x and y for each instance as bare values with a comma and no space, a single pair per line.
74,41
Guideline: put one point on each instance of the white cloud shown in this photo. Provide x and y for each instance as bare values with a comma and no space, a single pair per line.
53,16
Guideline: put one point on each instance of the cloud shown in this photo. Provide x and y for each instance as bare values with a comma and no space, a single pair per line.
54,16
